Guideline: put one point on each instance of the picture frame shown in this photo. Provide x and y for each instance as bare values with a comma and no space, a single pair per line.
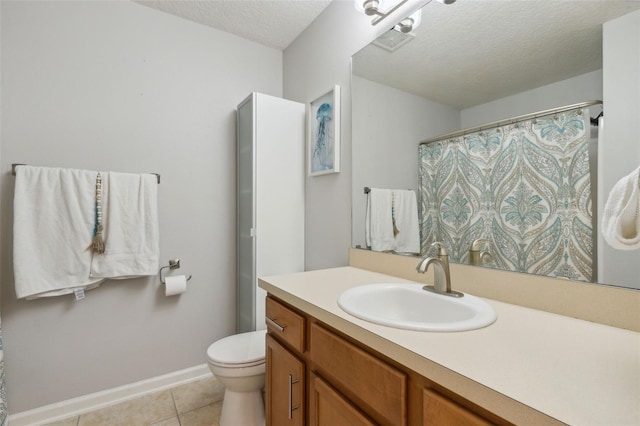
323,133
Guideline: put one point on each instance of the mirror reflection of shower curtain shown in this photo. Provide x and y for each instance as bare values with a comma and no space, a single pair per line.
3,392
525,187
600,204
595,138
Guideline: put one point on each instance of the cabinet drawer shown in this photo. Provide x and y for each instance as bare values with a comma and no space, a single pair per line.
285,323
378,385
438,410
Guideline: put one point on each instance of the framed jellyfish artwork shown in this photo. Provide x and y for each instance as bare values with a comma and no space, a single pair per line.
323,148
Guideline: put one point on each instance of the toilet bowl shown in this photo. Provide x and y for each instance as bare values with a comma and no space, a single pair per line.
238,362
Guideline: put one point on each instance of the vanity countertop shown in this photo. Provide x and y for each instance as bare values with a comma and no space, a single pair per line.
530,366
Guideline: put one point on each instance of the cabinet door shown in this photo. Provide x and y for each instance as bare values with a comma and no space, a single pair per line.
438,410
328,408
284,398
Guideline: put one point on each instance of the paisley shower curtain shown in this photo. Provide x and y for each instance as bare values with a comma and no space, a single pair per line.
524,187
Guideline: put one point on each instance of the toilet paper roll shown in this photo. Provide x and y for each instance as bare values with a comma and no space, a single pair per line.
176,284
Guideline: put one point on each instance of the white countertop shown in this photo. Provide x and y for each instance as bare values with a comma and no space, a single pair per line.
529,366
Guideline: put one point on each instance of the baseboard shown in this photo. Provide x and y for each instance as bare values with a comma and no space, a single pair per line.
94,401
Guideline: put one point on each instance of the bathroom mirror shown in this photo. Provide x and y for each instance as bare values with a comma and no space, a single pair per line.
469,63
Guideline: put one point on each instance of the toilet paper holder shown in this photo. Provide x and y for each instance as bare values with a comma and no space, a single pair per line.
173,264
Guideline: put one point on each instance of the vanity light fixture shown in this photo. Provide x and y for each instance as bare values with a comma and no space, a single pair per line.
380,9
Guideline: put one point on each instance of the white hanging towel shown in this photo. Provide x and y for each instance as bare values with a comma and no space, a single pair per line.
131,227
378,221
53,220
405,212
621,215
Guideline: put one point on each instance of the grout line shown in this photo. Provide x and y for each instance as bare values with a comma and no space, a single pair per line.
175,406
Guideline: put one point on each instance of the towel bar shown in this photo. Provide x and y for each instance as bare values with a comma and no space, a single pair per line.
14,165
368,190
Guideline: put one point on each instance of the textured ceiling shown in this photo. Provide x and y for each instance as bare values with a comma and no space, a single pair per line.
463,54
475,51
273,23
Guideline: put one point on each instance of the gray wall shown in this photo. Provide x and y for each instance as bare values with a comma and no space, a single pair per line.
585,87
122,87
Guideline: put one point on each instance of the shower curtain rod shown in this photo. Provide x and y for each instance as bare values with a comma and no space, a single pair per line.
512,120
14,165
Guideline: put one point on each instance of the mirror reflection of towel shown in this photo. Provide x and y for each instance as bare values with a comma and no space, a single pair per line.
621,214
406,216
383,208
378,223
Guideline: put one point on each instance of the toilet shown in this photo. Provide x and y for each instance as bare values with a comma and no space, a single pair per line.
238,362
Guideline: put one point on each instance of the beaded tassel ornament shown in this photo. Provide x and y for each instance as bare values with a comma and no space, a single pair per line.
98,242
396,231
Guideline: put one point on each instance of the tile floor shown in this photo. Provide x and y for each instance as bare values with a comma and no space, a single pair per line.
193,404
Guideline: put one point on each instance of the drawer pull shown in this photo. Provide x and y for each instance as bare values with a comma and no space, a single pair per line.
291,407
274,324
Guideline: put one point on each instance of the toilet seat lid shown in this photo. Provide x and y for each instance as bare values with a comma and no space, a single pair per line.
243,348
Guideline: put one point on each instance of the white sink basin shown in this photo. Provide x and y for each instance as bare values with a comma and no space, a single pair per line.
408,306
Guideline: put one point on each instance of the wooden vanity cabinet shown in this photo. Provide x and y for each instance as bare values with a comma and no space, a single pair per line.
320,377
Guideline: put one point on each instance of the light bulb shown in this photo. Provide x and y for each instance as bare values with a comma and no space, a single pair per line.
370,7
410,23
373,7
405,26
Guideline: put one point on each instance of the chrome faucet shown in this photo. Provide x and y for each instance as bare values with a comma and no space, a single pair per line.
476,255
442,277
